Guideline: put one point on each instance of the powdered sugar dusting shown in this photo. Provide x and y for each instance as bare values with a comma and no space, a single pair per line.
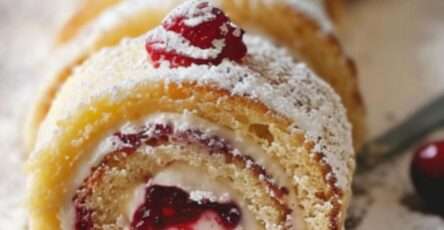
268,75
174,42
200,196
118,16
129,10
374,62
195,13
210,38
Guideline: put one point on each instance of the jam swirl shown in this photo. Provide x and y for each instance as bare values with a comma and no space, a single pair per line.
167,207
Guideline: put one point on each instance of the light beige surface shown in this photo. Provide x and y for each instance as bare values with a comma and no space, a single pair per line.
25,31
399,47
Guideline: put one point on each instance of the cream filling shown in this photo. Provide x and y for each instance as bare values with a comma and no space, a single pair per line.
181,122
190,179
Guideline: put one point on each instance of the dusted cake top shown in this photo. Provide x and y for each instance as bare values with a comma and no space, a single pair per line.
267,74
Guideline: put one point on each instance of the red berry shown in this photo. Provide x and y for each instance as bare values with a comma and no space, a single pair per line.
427,172
203,34
199,25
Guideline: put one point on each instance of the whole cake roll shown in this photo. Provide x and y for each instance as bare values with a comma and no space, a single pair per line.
303,26
192,126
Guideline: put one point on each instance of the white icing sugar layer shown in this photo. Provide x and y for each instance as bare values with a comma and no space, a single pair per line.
192,14
195,12
129,10
268,74
174,42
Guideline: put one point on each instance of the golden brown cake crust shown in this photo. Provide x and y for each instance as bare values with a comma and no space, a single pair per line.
321,50
308,133
323,190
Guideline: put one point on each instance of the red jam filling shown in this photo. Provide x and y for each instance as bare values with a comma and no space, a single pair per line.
171,208
83,219
163,133
216,27
158,134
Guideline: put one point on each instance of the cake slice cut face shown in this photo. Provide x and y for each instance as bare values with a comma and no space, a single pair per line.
186,128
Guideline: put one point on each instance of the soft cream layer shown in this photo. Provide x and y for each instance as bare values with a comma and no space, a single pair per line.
180,122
